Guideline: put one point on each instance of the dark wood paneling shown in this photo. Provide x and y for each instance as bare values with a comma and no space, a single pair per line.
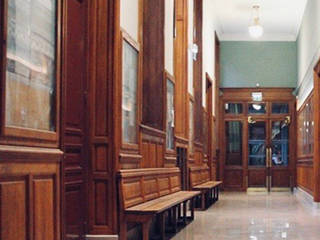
74,88
13,211
257,177
197,71
233,179
30,196
153,62
305,178
101,174
280,178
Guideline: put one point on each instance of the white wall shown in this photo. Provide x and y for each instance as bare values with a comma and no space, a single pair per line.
209,28
129,17
308,49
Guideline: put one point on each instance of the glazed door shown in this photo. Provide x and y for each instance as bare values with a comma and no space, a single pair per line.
257,154
279,177
268,155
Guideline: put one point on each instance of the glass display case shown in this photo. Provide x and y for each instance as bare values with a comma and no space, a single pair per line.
170,115
30,86
129,93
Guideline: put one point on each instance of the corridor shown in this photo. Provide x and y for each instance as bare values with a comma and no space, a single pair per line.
256,216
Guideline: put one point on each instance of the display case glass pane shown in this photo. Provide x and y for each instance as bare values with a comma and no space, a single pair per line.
234,143
129,93
257,108
280,143
31,64
233,108
257,144
280,108
170,115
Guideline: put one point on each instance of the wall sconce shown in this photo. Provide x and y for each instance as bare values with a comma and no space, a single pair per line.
194,50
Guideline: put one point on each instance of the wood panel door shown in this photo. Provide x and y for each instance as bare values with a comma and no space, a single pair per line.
73,118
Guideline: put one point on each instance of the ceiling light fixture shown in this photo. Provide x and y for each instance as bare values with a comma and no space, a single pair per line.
256,30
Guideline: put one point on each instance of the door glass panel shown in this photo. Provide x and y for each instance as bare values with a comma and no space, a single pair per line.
257,144
279,108
257,108
234,143
233,108
280,143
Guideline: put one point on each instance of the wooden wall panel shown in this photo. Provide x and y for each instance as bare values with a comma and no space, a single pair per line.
305,178
102,211
153,62
233,179
305,154
197,71
74,102
29,194
44,205
13,209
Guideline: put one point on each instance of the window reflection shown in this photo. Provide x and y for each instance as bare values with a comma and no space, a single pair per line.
257,108
129,93
31,64
233,108
280,143
170,115
257,144
234,143
279,108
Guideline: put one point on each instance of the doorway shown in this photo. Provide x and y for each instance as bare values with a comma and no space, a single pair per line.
268,155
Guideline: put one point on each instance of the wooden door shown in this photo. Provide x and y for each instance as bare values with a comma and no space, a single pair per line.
73,118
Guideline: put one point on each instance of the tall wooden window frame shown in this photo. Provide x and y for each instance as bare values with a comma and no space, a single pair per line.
125,37
20,135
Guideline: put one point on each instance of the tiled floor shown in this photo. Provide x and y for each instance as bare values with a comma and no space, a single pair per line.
241,216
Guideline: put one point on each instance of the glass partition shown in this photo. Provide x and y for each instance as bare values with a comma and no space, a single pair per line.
280,143
233,108
170,115
257,108
129,93
31,65
233,143
280,108
257,144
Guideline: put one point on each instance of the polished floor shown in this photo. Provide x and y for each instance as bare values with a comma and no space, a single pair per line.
241,216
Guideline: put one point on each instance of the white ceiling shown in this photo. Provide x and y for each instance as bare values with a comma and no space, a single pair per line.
281,19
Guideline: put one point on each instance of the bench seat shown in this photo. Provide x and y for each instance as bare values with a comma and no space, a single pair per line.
163,203
148,193
200,181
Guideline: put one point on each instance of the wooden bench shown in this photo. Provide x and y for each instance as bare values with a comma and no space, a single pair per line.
200,181
147,193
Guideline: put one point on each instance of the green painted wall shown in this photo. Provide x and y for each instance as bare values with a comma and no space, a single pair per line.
271,64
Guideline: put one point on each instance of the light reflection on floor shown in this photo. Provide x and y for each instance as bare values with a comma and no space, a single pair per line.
255,217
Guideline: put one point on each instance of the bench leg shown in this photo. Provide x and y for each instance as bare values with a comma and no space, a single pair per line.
192,208
203,201
184,213
217,190
174,219
162,226
145,230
